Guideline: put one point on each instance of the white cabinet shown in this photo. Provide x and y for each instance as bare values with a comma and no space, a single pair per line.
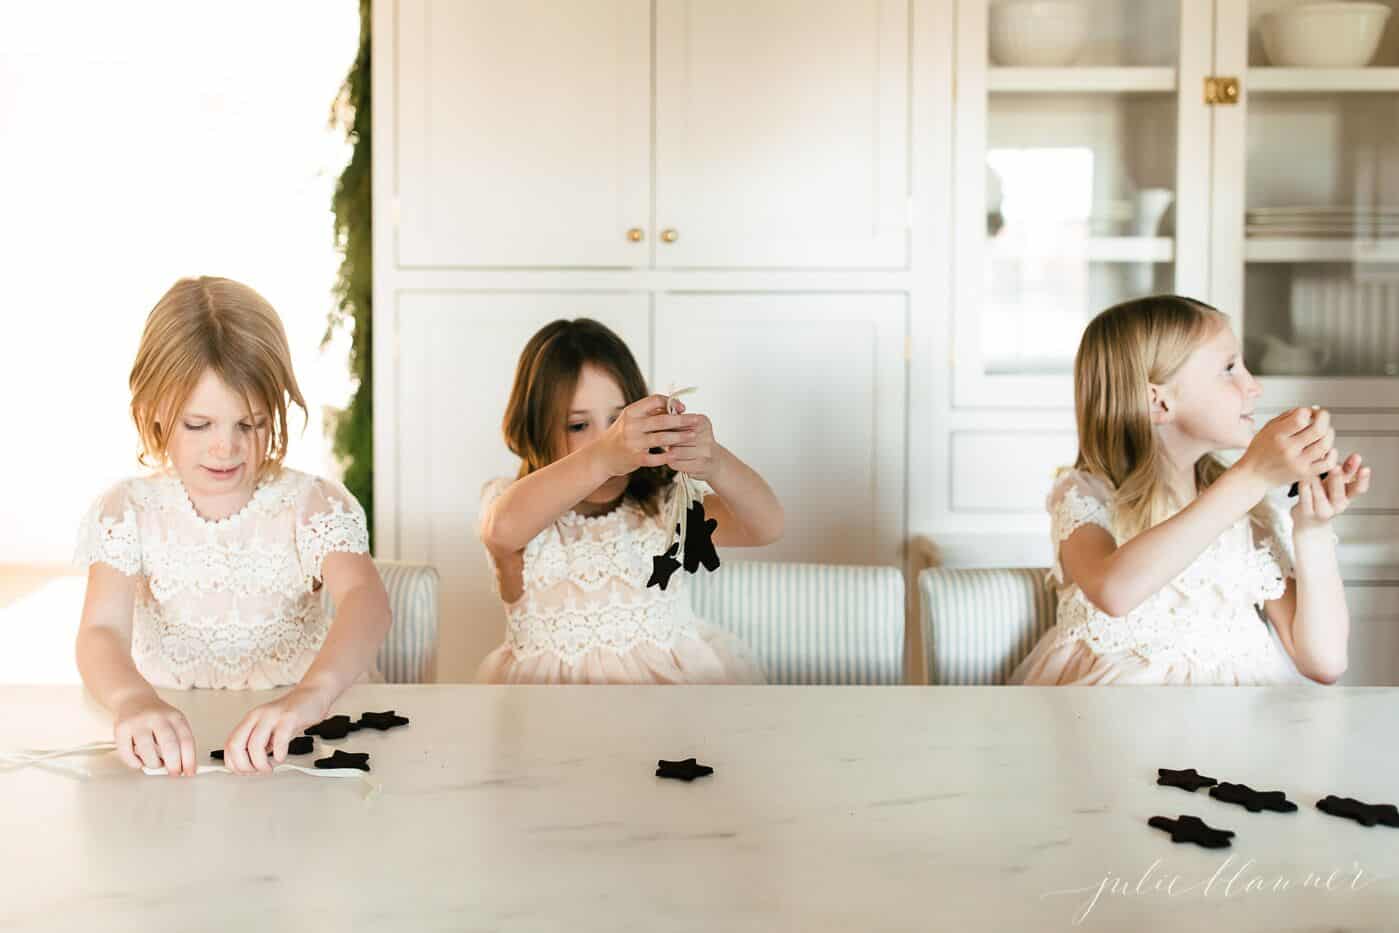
524,132
1076,186
810,390
453,375
872,239
1172,155
526,137
782,134
1374,622
1307,221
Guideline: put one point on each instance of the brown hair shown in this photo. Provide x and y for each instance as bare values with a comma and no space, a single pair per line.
545,379
211,324
1124,351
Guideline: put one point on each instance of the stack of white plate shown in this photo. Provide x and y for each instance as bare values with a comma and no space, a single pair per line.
1362,223
1355,323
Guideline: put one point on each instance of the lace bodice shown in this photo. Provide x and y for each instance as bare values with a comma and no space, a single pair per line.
1208,614
230,603
585,585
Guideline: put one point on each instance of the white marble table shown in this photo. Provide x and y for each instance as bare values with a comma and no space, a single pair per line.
832,808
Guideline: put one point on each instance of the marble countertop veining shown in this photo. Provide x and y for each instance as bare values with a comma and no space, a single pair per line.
904,808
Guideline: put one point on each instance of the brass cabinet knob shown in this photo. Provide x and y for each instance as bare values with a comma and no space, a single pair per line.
669,235
636,234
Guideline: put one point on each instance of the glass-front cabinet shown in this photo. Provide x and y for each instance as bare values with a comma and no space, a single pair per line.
1242,151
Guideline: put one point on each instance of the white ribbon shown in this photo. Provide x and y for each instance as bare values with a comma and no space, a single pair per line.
686,495
51,758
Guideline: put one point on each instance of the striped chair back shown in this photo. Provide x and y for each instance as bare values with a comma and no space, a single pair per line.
979,624
409,652
810,623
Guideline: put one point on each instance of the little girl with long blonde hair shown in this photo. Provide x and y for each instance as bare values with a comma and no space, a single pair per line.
1163,555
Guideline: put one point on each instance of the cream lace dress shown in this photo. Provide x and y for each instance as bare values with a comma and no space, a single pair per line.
1204,627
233,603
586,615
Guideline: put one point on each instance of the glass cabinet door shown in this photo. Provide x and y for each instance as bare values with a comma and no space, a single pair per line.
1078,159
1317,142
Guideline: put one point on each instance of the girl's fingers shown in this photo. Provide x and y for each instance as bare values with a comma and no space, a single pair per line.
1321,505
1318,451
647,406
258,740
1326,464
1362,483
281,739
169,747
669,438
235,753
126,749
1335,486
146,750
186,737
657,423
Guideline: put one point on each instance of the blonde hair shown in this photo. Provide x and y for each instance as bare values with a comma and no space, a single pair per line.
211,324
1124,351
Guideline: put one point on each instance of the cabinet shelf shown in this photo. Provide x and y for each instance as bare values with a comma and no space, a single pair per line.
1322,80
1095,249
1081,80
1270,249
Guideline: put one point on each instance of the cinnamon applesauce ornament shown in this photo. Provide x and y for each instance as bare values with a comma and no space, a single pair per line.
690,541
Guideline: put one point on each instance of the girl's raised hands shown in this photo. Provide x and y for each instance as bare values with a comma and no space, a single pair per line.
1296,445
642,433
1320,500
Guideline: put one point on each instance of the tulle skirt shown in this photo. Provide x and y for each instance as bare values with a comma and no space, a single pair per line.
708,655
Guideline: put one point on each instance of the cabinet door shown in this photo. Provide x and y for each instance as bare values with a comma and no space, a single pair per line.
1080,180
1306,205
456,361
782,133
809,390
1374,635
524,136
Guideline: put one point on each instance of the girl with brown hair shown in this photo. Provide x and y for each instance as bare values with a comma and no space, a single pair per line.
572,538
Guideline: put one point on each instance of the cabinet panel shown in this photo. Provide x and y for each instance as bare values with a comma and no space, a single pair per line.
809,390
524,132
782,133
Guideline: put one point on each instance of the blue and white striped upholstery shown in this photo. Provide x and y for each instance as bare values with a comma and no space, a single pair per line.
409,652
810,623
979,624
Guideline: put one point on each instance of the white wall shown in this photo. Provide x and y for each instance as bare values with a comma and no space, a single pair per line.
140,144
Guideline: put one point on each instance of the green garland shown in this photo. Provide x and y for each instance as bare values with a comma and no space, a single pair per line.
354,284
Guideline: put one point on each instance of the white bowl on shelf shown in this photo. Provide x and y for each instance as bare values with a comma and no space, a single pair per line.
1037,33
1324,35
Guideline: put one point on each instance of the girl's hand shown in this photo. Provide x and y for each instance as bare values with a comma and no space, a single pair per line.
151,733
271,727
699,456
1296,445
640,428
1320,500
